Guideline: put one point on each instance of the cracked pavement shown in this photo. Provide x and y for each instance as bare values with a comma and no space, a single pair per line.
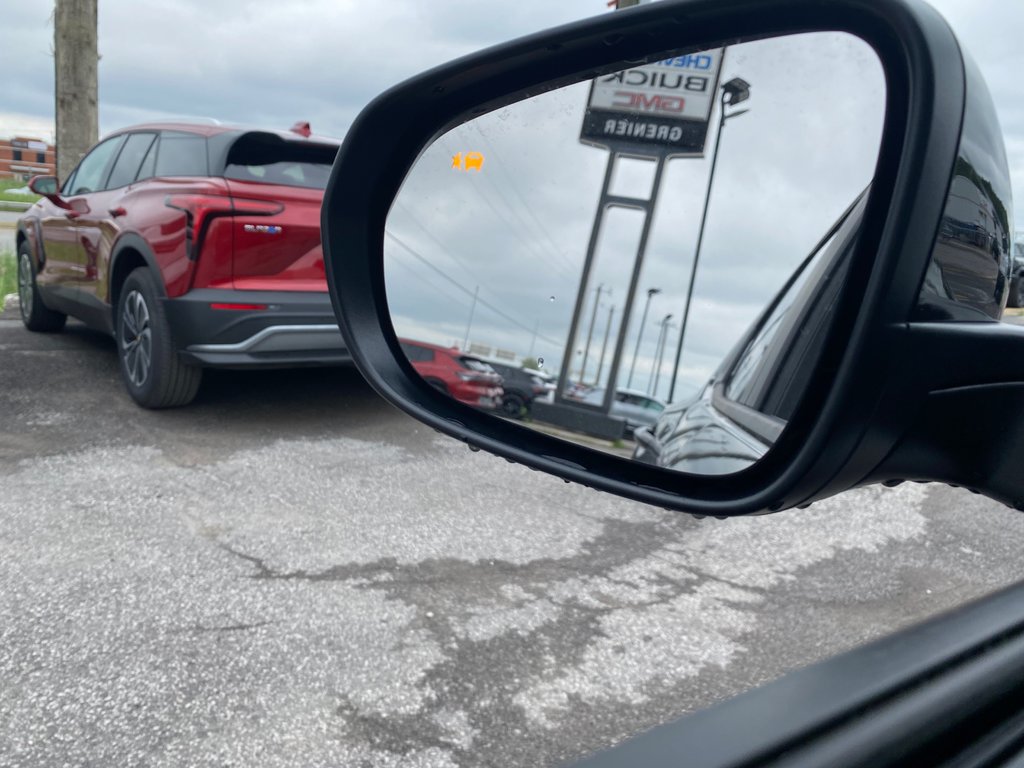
292,573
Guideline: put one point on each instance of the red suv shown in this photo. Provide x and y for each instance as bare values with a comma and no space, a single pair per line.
194,245
466,378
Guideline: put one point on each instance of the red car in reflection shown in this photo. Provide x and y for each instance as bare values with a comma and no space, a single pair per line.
193,245
466,378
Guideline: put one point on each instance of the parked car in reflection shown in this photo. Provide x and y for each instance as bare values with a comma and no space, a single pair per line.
465,378
636,408
520,387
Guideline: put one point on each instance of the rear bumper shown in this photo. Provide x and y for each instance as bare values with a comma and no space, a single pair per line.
262,329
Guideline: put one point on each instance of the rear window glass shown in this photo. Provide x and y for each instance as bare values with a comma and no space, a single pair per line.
416,354
181,154
272,160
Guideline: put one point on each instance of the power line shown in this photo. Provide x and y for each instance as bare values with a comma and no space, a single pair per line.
419,276
468,292
447,251
516,228
525,206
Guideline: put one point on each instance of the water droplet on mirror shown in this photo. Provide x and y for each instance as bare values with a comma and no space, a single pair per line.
540,363
552,298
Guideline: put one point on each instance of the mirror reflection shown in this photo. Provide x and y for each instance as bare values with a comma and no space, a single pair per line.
645,264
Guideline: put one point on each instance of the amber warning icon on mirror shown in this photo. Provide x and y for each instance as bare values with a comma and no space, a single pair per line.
471,161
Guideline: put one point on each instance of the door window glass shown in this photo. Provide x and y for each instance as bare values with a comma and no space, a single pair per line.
128,162
92,171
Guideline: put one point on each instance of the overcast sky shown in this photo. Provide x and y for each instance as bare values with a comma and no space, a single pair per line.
270,63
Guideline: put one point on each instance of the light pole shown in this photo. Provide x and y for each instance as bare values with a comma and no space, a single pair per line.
604,346
469,323
651,293
659,354
593,316
733,92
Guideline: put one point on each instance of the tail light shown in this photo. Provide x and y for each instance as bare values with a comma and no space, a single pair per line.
199,209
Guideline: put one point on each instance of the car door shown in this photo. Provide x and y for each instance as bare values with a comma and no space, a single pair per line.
97,228
66,256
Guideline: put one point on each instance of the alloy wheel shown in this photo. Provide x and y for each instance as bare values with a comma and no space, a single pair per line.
136,338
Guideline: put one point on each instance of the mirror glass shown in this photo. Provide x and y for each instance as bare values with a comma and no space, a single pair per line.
643,263
43,185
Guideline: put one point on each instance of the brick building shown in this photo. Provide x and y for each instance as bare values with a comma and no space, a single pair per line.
22,157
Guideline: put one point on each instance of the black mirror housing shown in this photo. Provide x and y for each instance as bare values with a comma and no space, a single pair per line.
883,359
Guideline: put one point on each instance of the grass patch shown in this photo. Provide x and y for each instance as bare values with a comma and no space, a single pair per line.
6,185
8,274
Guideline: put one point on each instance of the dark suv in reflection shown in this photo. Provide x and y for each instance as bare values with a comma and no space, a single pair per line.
520,387
194,245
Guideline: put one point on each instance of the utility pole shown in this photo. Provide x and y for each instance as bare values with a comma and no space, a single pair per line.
469,323
590,334
604,345
651,293
76,64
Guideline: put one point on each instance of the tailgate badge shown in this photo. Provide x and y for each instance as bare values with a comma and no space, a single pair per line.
266,229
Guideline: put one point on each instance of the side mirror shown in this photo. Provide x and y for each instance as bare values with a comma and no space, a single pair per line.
47,186
787,308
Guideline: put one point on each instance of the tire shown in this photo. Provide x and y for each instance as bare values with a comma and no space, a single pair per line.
34,314
1016,298
149,363
513,406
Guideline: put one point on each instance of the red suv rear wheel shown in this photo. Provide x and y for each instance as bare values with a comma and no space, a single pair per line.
150,367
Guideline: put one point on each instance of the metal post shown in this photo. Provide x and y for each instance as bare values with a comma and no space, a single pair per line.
604,346
581,294
472,309
733,92
627,310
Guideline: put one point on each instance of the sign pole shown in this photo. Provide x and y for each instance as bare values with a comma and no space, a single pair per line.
650,112
581,294
648,207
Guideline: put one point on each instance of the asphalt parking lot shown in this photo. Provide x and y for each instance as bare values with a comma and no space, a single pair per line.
292,573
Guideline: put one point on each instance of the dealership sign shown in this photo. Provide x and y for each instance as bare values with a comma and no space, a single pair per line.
660,107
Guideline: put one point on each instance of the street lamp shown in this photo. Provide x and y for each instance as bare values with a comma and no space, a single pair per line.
659,354
651,293
733,92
